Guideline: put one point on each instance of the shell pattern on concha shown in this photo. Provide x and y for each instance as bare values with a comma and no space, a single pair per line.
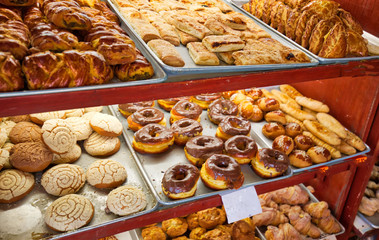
126,200
14,183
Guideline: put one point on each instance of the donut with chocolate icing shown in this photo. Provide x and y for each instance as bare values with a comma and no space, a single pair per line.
184,129
153,138
272,130
200,148
254,93
180,181
242,148
168,103
303,142
300,159
293,129
203,100
128,109
276,116
283,143
232,126
144,117
221,108
185,109
270,163
268,104
221,172
319,154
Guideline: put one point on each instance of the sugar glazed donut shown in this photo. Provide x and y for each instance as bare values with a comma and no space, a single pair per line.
242,148
184,129
283,143
232,126
221,172
221,108
185,109
272,130
144,117
169,103
200,148
128,109
203,100
152,138
270,163
180,181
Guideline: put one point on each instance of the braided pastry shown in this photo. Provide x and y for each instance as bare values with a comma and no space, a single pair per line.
140,69
11,78
14,38
126,200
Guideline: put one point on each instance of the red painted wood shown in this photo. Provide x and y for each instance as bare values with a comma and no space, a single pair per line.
366,12
60,101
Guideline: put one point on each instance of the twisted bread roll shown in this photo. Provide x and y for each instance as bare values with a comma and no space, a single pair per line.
71,68
11,78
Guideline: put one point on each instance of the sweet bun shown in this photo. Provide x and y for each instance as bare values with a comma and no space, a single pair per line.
273,130
99,145
68,157
293,129
268,104
58,136
283,143
300,159
322,132
153,233
211,217
303,142
175,227
276,116
319,154
25,132
250,111
106,174
14,185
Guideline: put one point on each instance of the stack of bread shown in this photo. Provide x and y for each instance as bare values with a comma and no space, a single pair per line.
288,213
318,25
370,201
208,224
65,44
211,30
30,143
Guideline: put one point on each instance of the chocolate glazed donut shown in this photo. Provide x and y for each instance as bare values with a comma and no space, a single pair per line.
232,126
180,179
185,128
270,162
147,115
185,109
153,133
242,148
127,109
221,108
199,148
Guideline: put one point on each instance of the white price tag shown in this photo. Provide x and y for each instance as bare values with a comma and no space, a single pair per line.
330,237
241,204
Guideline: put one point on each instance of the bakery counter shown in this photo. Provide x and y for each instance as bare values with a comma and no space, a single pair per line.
180,86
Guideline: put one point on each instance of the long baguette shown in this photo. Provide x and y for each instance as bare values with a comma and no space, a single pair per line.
334,152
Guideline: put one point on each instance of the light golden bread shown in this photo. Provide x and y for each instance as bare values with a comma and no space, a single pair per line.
296,113
322,132
284,98
218,28
312,104
167,32
189,25
345,148
334,152
186,38
201,55
226,57
356,44
355,141
332,124
166,52
289,90
223,43
317,37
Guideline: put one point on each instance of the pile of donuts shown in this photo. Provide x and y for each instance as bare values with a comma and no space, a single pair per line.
208,224
32,143
218,157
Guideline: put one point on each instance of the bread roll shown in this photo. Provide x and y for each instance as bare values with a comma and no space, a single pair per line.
332,124
334,152
312,104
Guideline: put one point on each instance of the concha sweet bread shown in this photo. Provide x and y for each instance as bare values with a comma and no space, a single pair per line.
40,118
77,112
106,125
69,213
58,136
25,132
63,179
126,200
80,126
68,157
106,174
30,156
14,185
98,145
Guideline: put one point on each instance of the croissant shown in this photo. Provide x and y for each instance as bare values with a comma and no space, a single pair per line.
14,38
11,77
301,221
289,232
140,69
369,206
334,45
293,195
356,45
269,216
274,233
18,3
66,14
317,210
325,9
327,224
70,68
317,37
310,25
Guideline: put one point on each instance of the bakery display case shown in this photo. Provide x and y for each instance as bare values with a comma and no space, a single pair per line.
349,88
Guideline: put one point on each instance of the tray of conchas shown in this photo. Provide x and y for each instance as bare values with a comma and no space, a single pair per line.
185,156
43,51
321,28
67,171
212,36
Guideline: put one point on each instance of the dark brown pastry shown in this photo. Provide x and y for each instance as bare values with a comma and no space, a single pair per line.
30,156
22,3
14,38
11,77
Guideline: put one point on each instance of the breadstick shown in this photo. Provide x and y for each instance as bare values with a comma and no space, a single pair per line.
345,148
334,152
290,91
296,113
312,104
322,132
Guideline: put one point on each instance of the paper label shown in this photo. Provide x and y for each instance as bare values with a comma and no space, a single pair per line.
240,204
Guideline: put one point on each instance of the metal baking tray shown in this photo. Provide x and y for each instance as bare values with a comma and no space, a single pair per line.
262,230
373,221
153,166
38,200
257,132
191,68
158,77
322,60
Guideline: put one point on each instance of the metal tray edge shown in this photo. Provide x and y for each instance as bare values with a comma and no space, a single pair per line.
368,221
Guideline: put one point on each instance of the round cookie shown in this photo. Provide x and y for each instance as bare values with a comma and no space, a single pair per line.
4,158
98,145
80,126
126,200
25,132
63,179
93,109
78,112
106,125
69,157
69,213
40,118
106,174
14,185
30,156
58,136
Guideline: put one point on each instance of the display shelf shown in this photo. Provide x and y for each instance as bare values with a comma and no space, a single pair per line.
180,87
